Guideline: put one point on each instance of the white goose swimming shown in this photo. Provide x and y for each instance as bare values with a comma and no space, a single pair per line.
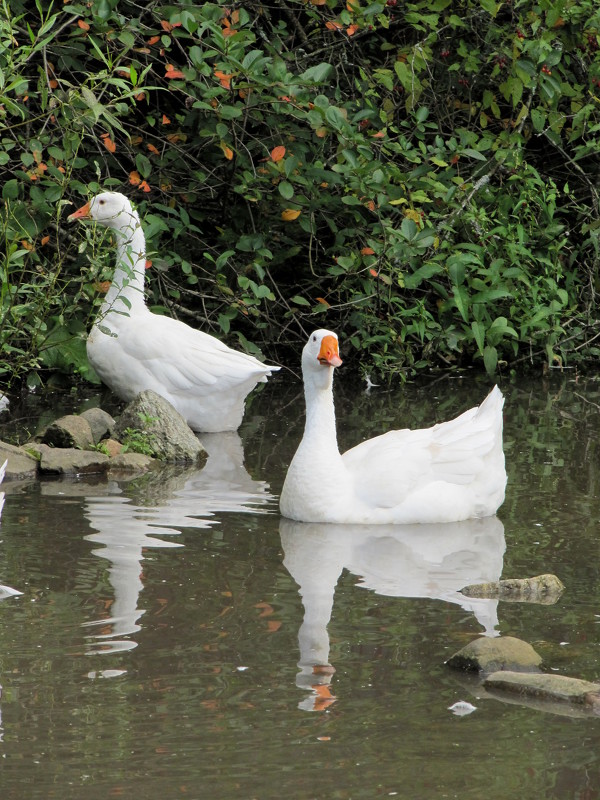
450,472
133,349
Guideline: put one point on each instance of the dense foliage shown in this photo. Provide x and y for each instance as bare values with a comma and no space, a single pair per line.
420,176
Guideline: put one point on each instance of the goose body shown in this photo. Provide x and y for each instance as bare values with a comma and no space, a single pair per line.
133,349
450,472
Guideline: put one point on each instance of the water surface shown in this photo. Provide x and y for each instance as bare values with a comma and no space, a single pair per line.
176,638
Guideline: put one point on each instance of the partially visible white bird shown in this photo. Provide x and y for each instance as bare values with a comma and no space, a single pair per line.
133,349
2,474
450,472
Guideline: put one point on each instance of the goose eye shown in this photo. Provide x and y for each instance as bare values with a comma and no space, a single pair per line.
101,202
314,338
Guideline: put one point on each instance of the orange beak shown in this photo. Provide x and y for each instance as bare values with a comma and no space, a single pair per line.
81,213
328,354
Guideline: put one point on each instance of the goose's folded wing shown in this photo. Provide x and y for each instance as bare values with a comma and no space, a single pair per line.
389,468
190,360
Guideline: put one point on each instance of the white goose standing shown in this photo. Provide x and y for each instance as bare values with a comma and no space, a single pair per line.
450,472
133,349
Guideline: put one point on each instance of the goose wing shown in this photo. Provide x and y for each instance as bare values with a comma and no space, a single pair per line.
389,468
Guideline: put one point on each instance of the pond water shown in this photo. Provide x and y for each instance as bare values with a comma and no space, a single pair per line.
165,639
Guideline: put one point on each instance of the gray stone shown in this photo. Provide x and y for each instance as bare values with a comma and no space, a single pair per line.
100,422
130,463
490,655
70,461
20,463
547,687
69,431
163,430
544,589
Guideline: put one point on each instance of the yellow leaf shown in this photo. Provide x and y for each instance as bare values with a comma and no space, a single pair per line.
290,214
412,214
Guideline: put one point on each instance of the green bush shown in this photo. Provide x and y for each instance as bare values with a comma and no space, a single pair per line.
420,176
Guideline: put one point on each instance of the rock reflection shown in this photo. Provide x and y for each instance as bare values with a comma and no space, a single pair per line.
167,501
433,561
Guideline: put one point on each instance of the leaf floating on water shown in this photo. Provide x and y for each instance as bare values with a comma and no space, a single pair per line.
462,708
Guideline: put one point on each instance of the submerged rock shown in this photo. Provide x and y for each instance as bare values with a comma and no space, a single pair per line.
150,422
70,461
21,464
128,463
544,589
491,655
547,688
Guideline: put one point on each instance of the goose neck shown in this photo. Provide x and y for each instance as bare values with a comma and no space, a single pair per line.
126,291
320,415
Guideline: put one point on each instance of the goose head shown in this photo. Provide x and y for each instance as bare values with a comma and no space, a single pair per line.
319,357
110,209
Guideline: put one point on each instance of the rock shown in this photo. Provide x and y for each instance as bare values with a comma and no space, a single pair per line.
70,461
69,431
490,655
112,447
100,422
20,463
546,687
129,463
544,589
162,429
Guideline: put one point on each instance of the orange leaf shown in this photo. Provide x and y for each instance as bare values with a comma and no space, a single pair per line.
153,149
136,140
334,26
224,78
273,625
227,151
267,609
373,272
148,264
37,156
323,301
141,96
83,25
378,135
144,187
108,142
153,39
102,286
45,240
135,178
53,83
171,72
321,132
277,153
166,26
351,30
165,120
27,245
367,251
290,214
318,2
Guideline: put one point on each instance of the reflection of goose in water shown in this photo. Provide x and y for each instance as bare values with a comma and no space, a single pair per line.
5,591
184,500
434,561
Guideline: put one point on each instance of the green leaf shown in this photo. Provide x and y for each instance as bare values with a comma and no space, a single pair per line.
286,190
490,359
